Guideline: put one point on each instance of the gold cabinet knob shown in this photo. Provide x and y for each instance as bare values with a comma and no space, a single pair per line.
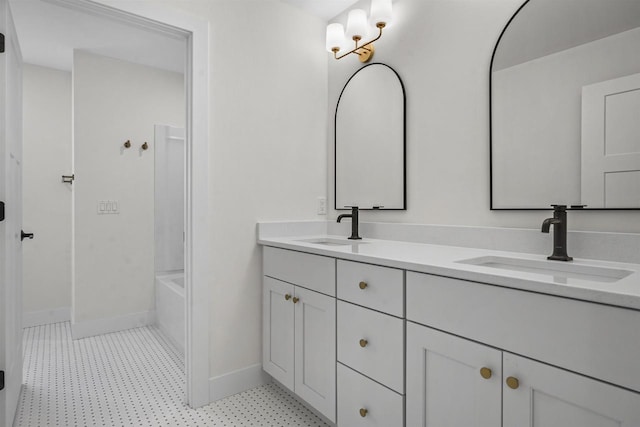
363,343
295,300
513,382
485,373
287,297
363,285
363,412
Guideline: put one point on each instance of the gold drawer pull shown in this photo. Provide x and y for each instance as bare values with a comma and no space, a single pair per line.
287,297
363,412
295,300
363,285
485,373
363,343
513,382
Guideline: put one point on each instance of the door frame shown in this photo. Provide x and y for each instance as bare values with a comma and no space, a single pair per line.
197,275
11,349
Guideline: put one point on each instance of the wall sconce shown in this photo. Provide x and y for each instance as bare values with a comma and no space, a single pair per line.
358,28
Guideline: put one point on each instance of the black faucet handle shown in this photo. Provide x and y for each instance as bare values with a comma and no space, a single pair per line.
578,206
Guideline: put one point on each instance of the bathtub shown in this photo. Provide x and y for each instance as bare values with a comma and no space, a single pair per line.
170,306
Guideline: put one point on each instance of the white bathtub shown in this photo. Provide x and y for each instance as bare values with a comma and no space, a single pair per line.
170,314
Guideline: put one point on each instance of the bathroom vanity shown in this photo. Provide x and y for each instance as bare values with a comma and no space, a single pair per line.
388,333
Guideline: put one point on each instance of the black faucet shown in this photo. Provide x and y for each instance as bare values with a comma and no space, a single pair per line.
559,221
354,222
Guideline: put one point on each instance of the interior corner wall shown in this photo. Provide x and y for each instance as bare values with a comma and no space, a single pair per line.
442,50
115,101
47,201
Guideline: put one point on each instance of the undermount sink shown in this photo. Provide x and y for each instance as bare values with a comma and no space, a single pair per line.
328,241
560,271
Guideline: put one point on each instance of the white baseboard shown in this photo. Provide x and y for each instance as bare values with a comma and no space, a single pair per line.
237,381
89,328
46,317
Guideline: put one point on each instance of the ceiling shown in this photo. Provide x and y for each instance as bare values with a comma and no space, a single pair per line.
48,33
324,9
50,30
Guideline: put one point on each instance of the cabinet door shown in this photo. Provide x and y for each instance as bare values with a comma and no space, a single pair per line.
277,334
445,386
548,397
315,350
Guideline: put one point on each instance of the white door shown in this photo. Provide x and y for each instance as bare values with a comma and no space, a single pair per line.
548,397
315,350
277,333
451,382
610,176
11,195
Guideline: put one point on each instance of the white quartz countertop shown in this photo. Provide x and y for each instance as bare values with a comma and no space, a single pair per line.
444,261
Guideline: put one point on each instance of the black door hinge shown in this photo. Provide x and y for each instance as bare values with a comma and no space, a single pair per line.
1,43
1,211
1,380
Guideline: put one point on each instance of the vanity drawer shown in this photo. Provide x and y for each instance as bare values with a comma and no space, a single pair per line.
314,272
596,340
383,286
384,408
372,343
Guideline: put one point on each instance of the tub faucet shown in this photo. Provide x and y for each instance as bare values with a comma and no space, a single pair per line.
354,222
559,222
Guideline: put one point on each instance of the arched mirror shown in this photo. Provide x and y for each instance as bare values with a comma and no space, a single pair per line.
565,106
370,141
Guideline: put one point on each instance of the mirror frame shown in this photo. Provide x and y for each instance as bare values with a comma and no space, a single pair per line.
491,205
404,144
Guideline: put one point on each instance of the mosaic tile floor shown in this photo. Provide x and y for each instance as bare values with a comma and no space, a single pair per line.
131,378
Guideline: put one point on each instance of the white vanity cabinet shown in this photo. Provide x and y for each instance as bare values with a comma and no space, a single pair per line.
378,346
370,345
452,380
299,326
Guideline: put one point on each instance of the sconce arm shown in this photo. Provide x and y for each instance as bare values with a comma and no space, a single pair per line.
363,46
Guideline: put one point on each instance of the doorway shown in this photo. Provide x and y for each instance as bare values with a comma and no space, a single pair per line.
194,34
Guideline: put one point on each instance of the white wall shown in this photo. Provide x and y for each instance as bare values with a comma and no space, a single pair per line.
268,154
47,201
442,50
115,101
538,116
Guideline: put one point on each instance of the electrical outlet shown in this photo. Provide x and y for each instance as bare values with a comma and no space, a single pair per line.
322,205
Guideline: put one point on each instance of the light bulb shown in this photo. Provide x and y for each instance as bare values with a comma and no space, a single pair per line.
357,27
335,36
380,12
